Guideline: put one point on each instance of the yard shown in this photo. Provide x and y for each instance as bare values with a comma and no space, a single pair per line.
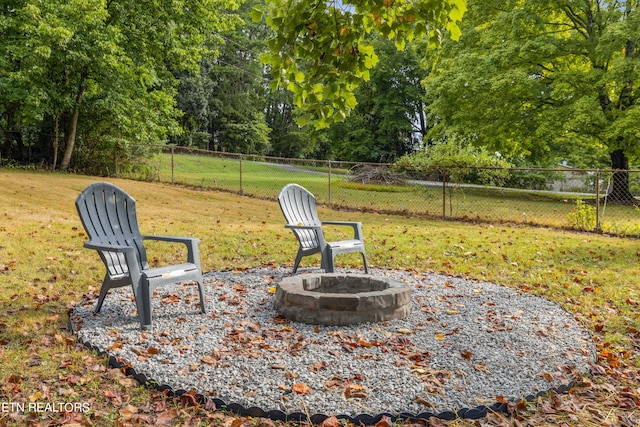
46,271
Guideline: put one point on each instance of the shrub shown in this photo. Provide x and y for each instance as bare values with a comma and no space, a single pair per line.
457,161
582,216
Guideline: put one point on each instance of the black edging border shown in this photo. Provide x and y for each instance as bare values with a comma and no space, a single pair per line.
277,415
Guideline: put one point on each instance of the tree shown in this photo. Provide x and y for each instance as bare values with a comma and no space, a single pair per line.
236,99
287,138
107,61
389,119
319,50
543,78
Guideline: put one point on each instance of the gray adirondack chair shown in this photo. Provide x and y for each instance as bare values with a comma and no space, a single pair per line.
108,215
299,208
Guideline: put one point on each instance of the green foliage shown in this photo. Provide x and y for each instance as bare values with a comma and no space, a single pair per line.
582,216
548,80
319,51
388,121
78,74
457,161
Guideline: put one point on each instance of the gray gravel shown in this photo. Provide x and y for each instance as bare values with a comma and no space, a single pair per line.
464,344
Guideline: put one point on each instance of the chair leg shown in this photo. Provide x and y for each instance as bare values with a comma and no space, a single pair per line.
328,260
103,293
200,291
364,259
143,304
298,259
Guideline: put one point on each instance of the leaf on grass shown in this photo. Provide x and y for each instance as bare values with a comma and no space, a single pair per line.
385,421
114,397
330,422
166,418
188,399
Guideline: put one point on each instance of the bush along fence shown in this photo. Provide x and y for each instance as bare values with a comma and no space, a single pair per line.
581,199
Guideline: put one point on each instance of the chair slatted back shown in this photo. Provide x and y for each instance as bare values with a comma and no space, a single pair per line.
108,215
299,208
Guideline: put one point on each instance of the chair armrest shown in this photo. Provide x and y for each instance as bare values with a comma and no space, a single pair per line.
129,255
317,229
177,239
193,254
107,247
303,227
357,227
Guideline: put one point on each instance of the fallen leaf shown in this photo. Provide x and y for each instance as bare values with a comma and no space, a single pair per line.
482,367
355,391
209,360
301,388
318,366
330,422
422,401
385,421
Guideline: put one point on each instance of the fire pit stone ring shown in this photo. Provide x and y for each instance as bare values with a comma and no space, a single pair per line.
341,299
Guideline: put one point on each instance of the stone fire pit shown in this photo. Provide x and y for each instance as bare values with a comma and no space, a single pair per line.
339,299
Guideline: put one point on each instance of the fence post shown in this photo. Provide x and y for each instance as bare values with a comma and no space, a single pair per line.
444,196
329,183
598,227
241,174
172,150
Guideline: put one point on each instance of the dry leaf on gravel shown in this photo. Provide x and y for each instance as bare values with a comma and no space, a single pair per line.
301,388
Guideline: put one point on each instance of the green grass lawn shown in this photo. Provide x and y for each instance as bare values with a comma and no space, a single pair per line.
475,203
45,271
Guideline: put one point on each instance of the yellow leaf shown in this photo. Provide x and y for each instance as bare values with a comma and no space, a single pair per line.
440,337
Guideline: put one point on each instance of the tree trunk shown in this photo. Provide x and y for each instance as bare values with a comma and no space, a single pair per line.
619,193
72,126
14,147
56,139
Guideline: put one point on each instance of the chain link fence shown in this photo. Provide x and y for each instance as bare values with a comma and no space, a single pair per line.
580,199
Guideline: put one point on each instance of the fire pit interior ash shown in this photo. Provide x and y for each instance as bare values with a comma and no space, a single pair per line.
339,299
